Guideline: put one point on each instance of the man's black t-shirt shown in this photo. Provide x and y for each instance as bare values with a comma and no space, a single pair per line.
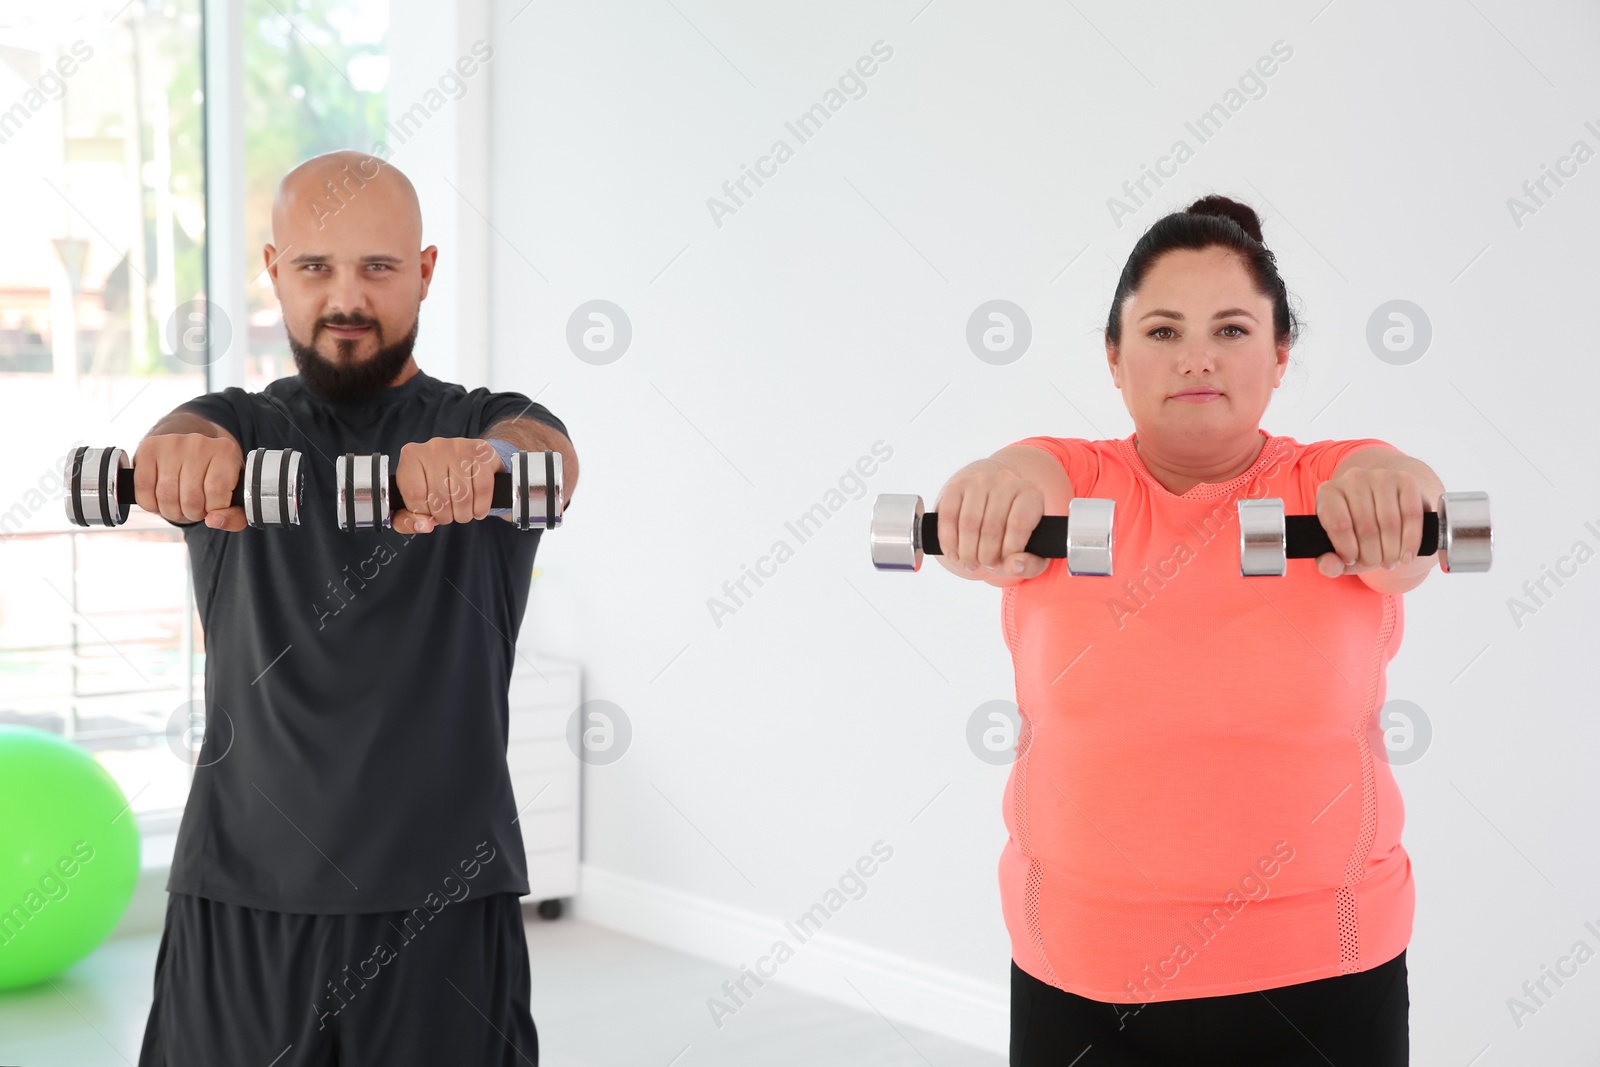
356,683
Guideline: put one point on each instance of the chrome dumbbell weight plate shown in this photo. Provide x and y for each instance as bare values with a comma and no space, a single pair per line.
535,490
1090,535
1466,539
363,491
897,532
271,481
91,476
1262,550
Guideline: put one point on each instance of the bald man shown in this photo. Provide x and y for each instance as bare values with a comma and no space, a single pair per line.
346,882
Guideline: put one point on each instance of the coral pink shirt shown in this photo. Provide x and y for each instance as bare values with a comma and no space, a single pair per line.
1200,804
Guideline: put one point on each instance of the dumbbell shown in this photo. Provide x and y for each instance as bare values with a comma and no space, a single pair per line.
1459,531
100,487
902,532
368,496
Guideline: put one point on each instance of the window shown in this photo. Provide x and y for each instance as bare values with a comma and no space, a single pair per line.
315,74
103,170
100,137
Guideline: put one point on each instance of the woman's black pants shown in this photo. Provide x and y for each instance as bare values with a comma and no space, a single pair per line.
1350,1020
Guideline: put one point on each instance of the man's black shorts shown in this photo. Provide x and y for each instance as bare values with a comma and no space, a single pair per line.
238,985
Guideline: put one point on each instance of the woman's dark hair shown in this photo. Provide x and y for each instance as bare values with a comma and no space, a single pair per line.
1209,221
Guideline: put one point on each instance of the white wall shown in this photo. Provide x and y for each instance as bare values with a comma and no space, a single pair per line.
438,103
829,312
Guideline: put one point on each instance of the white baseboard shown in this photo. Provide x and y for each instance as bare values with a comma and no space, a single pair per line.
905,990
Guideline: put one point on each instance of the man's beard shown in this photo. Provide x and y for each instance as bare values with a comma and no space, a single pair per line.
349,379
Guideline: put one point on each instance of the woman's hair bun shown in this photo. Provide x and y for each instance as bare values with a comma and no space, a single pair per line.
1231,209
1198,227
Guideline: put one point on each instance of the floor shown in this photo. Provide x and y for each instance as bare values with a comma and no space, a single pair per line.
93,1015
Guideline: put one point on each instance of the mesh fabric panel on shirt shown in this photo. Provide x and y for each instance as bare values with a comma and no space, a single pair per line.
1030,892
1356,867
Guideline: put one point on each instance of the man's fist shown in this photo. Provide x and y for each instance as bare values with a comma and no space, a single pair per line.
447,479
186,477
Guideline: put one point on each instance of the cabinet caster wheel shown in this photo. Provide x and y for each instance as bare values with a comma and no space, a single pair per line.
550,909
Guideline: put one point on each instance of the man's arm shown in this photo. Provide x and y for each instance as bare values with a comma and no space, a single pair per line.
530,435
185,468
187,422
1406,576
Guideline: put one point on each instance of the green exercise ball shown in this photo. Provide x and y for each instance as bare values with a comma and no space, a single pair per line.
69,854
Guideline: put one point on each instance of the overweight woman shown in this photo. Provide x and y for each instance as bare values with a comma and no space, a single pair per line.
1204,863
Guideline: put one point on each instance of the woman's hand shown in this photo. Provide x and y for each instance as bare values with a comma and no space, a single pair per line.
1373,518
987,512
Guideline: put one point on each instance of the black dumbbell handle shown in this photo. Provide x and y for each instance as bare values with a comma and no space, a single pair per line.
1304,537
1048,540
501,498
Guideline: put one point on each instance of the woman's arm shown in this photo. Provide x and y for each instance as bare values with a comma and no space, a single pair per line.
1042,469
1406,576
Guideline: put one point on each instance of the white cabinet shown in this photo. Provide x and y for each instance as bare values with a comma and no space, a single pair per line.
546,776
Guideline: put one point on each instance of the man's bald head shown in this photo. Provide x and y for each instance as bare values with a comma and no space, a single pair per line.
349,272
345,184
